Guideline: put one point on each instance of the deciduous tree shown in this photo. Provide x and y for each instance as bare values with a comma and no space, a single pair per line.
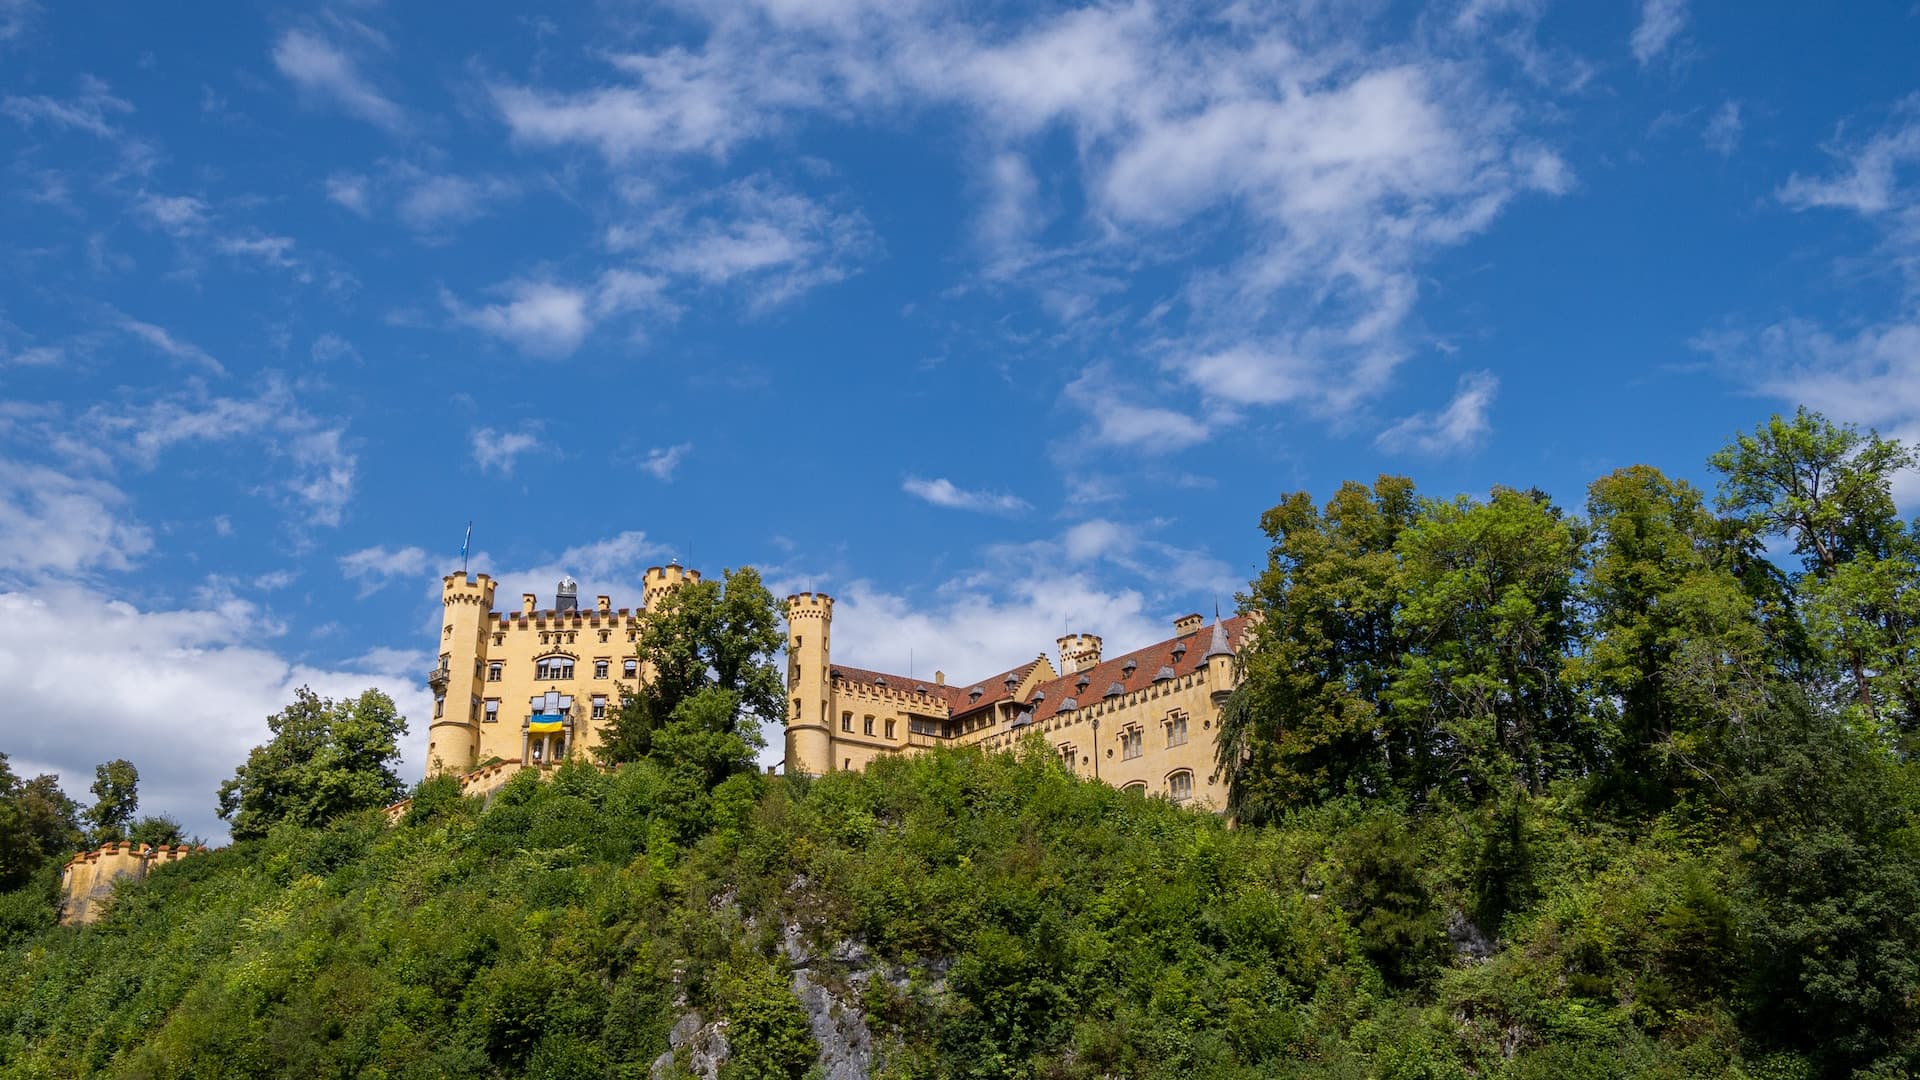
325,759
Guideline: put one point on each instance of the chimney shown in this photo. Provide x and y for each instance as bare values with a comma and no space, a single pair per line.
603,604
527,600
939,678
1186,624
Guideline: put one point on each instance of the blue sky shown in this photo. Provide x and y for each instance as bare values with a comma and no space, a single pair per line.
989,319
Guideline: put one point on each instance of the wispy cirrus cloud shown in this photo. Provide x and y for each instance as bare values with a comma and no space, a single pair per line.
495,450
1661,22
663,461
1318,169
1461,426
324,71
943,492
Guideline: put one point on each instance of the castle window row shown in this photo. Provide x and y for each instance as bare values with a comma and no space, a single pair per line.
553,668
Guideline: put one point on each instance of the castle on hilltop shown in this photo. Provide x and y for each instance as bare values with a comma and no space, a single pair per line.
1145,720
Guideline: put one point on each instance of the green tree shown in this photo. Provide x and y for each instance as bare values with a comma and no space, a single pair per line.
155,830
1829,489
1489,615
706,661
1679,658
1308,721
116,793
325,759
37,823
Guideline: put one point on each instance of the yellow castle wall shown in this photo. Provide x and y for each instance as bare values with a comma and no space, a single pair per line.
475,638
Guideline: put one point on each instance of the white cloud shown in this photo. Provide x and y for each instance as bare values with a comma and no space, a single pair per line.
163,340
270,249
186,693
1660,23
15,17
1723,130
501,449
1870,181
776,243
539,318
433,201
1317,167
322,70
349,190
90,111
35,356
319,480
1118,420
374,567
330,348
177,215
60,524
663,461
1462,425
942,492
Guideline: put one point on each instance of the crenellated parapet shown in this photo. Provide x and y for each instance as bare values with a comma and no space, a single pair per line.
915,699
461,589
660,580
88,879
809,605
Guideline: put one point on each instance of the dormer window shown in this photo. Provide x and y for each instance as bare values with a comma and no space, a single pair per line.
1179,651
1126,669
1012,681
974,694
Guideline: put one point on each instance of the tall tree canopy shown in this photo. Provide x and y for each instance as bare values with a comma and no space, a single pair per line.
1829,489
326,758
116,793
708,679
37,823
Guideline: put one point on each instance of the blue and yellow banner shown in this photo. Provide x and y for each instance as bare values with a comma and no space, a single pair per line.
541,724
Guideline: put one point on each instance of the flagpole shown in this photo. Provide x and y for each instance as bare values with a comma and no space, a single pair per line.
463,549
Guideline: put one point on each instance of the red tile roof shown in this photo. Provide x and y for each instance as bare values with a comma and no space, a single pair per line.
1147,663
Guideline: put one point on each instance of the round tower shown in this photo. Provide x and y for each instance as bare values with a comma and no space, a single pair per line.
809,685
660,580
453,738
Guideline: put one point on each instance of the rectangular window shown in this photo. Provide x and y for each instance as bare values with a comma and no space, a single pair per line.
1069,756
439,705
846,722
889,729
1131,741
1177,730
599,708
492,711
600,669
869,726
553,668
631,668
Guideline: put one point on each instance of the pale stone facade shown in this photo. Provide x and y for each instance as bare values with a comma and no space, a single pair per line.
86,884
493,665
530,687
1145,720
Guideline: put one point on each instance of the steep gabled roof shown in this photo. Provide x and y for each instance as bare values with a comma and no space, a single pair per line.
1147,663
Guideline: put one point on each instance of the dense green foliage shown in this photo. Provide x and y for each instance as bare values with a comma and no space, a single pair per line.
1518,793
326,758
706,652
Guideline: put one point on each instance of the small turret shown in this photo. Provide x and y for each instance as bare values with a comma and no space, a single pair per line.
660,580
1078,652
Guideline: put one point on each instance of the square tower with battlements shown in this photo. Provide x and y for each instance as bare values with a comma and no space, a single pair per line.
534,685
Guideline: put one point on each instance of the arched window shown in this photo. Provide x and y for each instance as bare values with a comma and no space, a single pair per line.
1138,787
551,668
1180,785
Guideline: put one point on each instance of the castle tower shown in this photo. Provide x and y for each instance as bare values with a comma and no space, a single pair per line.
809,689
1079,652
660,579
1219,660
453,739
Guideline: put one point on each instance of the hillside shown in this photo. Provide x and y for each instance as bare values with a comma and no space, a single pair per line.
971,915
